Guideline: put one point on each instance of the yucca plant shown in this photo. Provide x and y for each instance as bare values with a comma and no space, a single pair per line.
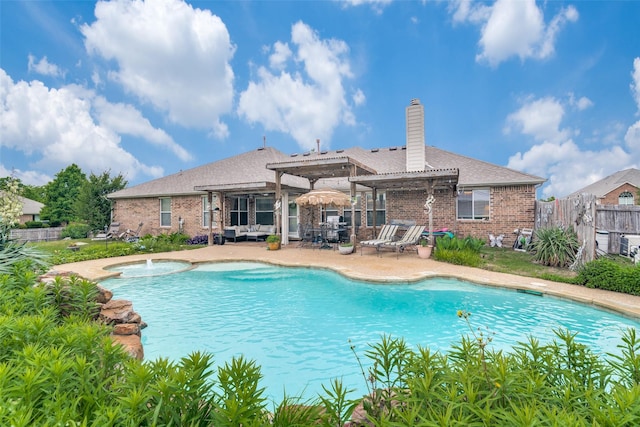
555,246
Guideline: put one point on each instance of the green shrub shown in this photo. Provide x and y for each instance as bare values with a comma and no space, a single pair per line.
34,224
458,257
603,273
75,231
555,247
464,251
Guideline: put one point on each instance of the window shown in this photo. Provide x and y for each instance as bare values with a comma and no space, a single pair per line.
625,198
358,213
264,210
165,212
240,211
473,204
380,209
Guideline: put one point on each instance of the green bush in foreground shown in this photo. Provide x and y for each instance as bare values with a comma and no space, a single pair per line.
603,273
59,368
457,251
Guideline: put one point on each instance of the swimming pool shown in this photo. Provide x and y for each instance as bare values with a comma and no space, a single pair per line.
298,323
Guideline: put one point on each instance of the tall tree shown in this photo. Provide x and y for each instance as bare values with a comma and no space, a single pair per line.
92,205
61,195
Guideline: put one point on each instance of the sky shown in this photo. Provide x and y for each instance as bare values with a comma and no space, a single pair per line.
148,88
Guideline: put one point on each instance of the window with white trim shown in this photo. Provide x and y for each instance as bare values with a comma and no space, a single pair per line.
626,198
381,212
473,204
165,212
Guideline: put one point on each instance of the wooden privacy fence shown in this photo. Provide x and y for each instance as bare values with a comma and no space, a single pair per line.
617,220
578,213
590,220
36,234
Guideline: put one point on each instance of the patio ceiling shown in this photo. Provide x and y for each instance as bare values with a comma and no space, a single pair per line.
315,169
435,179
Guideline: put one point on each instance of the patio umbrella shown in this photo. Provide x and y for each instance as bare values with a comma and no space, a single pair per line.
324,197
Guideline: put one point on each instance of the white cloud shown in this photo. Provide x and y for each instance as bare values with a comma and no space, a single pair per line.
540,119
557,157
281,54
512,28
377,5
56,128
308,99
44,67
125,119
468,10
170,55
581,103
359,97
27,177
635,82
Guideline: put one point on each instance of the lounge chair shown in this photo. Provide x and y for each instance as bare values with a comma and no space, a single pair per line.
111,233
410,239
131,236
386,235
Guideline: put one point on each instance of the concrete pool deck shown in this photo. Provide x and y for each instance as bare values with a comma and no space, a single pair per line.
368,266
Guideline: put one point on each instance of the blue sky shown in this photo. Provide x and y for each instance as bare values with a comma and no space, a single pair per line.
150,88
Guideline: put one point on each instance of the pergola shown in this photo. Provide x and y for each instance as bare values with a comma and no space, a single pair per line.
315,169
429,180
360,174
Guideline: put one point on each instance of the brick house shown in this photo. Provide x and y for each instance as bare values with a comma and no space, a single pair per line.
620,188
467,196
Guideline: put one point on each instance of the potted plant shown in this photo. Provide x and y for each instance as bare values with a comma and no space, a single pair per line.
273,242
424,248
345,248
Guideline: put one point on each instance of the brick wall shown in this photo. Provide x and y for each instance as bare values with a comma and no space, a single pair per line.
511,207
130,212
612,197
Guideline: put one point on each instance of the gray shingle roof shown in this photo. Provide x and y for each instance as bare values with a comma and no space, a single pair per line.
247,168
31,207
606,185
250,168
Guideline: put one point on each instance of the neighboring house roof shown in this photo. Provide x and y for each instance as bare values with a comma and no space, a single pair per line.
249,168
606,185
31,207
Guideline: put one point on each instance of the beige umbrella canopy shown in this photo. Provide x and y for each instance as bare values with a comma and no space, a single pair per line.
324,197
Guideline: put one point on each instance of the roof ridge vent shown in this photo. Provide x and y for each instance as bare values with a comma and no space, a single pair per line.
375,150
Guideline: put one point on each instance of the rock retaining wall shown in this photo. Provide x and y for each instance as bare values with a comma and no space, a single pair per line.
127,324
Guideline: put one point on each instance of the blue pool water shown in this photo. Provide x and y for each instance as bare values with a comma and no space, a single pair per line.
298,323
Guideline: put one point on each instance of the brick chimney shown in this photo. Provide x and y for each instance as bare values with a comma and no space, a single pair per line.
415,137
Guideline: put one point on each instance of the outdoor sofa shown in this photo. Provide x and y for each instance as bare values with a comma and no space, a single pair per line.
248,232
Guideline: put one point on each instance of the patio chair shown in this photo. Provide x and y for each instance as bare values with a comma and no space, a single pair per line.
131,236
111,233
410,239
386,235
